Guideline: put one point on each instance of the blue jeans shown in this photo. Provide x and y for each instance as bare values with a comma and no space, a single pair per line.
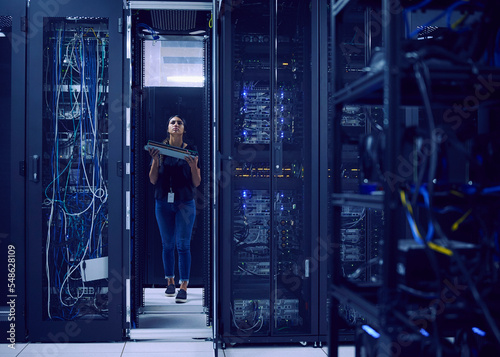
175,221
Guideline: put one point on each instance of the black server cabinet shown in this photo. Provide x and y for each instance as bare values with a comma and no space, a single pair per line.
12,143
268,181
409,179
75,207
355,227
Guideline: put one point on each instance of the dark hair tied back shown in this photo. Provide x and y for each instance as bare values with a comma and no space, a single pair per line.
178,116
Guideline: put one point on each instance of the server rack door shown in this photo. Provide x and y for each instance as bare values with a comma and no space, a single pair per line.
12,143
266,206
320,107
248,238
294,196
74,193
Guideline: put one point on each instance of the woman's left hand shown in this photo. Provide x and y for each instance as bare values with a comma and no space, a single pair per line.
192,161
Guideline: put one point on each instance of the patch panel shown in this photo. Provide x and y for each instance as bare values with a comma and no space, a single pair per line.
249,312
86,290
253,268
286,313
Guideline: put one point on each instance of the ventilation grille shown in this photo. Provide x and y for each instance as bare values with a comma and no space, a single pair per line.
426,30
5,23
174,20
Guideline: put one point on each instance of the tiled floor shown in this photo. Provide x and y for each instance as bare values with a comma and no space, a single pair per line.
166,321
166,329
159,349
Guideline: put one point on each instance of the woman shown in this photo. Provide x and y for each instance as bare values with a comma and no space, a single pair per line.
175,181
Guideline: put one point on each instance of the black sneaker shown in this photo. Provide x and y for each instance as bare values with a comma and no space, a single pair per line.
170,290
181,296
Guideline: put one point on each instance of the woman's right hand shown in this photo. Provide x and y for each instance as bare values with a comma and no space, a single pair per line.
155,154
153,173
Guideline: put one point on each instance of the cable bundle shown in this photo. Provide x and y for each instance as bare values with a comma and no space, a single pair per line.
75,152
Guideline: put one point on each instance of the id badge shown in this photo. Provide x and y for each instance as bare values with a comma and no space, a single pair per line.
170,197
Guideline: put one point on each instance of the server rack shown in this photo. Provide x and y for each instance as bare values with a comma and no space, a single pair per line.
410,310
75,196
356,229
12,142
269,259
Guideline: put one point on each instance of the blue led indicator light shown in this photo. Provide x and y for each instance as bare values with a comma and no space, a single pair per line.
423,332
370,331
478,331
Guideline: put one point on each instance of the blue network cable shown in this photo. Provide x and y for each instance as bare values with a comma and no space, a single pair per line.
430,226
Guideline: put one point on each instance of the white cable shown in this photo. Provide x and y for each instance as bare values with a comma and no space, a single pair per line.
71,270
249,328
47,267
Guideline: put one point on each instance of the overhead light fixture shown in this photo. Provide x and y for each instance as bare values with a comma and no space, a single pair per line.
2,34
78,18
186,79
197,32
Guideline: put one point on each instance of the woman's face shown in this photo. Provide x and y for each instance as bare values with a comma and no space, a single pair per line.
176,126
